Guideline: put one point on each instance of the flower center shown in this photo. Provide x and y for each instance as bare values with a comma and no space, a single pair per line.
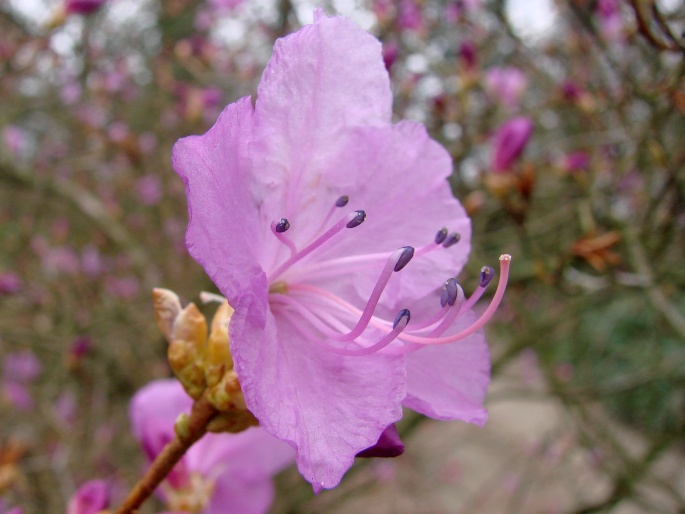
346,329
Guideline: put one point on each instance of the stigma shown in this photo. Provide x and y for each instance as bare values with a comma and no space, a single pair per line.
344,328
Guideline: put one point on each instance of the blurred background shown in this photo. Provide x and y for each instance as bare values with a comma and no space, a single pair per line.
565,122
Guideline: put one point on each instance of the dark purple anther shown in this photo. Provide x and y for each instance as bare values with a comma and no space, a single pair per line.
357,220
441,235
451,240
404,313
282,225
407,254
486,275
449,293
342,201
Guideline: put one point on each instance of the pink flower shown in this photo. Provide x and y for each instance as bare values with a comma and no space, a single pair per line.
509,141
278,195
505,85
82,6
10,283
91,498
222,473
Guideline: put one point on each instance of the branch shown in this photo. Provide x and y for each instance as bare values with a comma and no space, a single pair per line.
200,415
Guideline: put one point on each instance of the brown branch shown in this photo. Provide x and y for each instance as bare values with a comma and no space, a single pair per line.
643,26
201,414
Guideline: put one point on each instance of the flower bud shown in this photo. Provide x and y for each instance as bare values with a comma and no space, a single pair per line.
218,358
227,396
232,422
167,308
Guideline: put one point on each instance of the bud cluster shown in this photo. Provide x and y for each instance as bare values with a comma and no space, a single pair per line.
202,362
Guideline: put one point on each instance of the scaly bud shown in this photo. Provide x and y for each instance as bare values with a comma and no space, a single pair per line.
232,422
167,308
191,326
218,358
182,426
187,366
227,396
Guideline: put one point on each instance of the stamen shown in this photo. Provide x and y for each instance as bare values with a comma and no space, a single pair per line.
282,226
340,202
353,219
449,293
480,322
451,240
278,228
455,309
401,321
486,275
441,235
405,257
357,220
400,256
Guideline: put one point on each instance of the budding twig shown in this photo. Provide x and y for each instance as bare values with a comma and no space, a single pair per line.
200,416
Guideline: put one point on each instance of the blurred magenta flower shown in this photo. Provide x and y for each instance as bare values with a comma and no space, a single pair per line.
19,370
609,17
10,283
149,189
278,195
468,55
505,85
83,6
222,473
91,498
509,141
575,161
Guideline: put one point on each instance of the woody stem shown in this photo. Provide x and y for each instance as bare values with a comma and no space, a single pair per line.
200,415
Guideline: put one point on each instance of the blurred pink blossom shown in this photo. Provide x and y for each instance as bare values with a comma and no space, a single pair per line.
149,189
222,473
509,141
10,283
91,498
83,6
575,161
15,141
505,85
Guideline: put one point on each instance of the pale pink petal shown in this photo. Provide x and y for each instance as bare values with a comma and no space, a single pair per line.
253,453
223,231
160,402
303,108
450,381
327,406
236,495
398,175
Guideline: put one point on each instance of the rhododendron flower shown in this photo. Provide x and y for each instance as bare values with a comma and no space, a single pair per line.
91,498
220,474
509,141
505,85
82,6
302,209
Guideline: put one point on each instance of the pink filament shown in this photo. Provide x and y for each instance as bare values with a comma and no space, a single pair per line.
372,302
319,241
283,239
480,322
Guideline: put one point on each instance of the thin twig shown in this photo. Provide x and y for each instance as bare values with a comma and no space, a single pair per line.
200,416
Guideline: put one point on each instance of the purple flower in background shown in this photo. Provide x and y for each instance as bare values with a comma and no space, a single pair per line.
509,141
469,55
149,189
10,283
19,370
82,6
505,85
324,343
610,22
91,498
220,474
575,161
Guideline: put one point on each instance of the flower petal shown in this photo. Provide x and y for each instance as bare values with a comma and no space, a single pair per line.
303,108
223,232
326,406
449,381
235,495
398,175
